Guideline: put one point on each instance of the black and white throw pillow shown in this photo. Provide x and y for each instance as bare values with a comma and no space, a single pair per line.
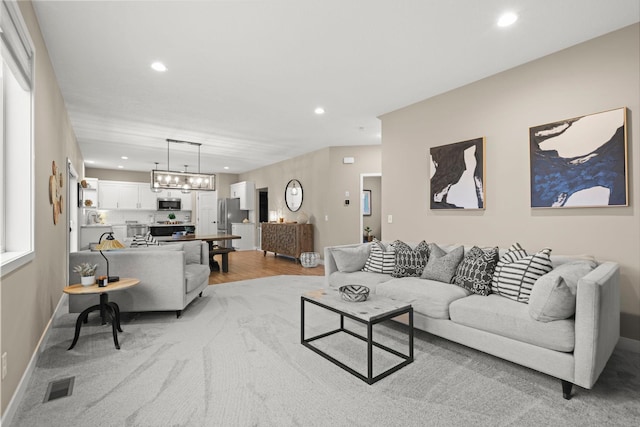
517,272
138,241
476,270
151,241
410,262
381,259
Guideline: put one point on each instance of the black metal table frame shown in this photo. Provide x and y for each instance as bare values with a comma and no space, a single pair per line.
369,379
107,309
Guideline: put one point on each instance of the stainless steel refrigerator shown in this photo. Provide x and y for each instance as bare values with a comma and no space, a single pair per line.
229,212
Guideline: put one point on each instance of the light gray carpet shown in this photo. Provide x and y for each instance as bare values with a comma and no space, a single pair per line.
235,359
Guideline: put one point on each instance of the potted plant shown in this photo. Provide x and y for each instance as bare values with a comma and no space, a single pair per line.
171,216
87,273
368,230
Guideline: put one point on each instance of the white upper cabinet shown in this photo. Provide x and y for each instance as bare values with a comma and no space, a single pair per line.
147,199
245,191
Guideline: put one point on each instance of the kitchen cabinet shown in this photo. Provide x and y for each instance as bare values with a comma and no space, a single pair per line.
146,197
117,195
246,192
135,195
246,232
287,239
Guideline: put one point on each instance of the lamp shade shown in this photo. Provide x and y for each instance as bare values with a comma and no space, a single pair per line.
109,244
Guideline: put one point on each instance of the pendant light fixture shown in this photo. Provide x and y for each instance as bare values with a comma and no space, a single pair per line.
183,181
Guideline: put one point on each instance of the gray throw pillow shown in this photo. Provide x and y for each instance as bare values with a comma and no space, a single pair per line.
349,260
553,296
551,299
192,252
442,266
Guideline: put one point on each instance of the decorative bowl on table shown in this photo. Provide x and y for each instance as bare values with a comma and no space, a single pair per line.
354,293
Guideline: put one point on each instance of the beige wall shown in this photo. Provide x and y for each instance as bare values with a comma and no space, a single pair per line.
31,293
324,180
595,76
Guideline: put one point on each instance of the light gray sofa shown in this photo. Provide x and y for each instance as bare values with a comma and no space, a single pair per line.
575,349
171,276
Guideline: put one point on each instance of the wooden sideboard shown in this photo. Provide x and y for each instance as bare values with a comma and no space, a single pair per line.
287,239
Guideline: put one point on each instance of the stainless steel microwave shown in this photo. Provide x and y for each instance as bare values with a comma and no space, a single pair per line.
169,204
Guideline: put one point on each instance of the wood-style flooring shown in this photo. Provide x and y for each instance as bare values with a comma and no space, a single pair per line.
245,265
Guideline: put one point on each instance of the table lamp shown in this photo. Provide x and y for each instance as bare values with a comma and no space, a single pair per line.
109,244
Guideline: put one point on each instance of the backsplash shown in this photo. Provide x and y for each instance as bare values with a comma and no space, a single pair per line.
119,216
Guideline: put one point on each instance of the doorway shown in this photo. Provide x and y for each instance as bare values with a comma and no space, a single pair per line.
207,212
370,206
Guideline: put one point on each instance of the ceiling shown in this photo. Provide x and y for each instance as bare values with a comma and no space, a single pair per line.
244,76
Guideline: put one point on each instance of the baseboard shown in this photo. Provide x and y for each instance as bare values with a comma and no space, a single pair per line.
628,344
19,394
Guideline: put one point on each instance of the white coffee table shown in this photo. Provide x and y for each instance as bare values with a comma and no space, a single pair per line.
371,312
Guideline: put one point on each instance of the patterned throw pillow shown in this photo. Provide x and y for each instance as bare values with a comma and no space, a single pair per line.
381,259
517,272
410,262
138,241
151,241
441,265
475,271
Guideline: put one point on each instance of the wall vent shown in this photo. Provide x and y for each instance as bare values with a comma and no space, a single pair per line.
59,388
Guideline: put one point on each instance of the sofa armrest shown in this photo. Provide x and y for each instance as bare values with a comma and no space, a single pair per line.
597,322
204,253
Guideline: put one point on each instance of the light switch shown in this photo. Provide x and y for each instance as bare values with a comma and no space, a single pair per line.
390,219
346,194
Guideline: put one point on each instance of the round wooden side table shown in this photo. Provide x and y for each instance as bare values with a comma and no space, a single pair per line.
107,309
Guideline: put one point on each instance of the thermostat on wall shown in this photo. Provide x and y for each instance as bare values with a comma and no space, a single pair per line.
348,160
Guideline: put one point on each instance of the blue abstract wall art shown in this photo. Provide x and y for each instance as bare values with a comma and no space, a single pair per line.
457,175
580,162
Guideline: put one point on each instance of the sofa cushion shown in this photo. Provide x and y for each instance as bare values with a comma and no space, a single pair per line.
381,259
511,319
370,280
517,272
428,297
410,262
351,259
195,275
441,265
554,295
476,270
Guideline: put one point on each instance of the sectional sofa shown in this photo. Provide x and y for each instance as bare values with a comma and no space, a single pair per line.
171,276
572,344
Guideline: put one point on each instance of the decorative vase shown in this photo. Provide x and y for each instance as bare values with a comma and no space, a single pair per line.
309,259
87,280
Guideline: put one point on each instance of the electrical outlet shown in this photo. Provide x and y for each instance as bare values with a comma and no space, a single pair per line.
4,365
326,217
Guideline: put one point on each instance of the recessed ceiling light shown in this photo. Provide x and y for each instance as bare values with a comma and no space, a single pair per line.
124,158
90,161
159,66
226,168
506,19
120,167
319,110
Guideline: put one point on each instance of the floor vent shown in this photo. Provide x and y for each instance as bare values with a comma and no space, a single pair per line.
58,389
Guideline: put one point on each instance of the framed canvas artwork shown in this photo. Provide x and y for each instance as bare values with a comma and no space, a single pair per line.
580,162
366,202
458,175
